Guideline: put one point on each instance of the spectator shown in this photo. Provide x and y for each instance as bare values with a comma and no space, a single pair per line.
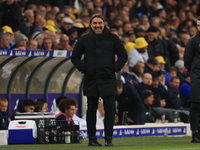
161,66
162,15
136,74
155,47
172,72
185,91
140,32
46,32
64,43
41,9
67,108
66,24
147,98
170,91
4,41
151,65
144,22
129,100
125,75
24,105
41,105
20,40
39,38
27,25
126,28
47,44
50,15
146,83
157,97
41,22
184,39
192,31
72,33
138,53
180,70
11,15
32,44
56,9
32,7
4,119
98,10
59,17
171,47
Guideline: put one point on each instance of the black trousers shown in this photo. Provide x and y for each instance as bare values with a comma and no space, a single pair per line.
109,108
194,115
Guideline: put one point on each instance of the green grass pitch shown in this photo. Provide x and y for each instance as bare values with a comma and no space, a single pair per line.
133,143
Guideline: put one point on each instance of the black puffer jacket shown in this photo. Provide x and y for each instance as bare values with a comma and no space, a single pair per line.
192,63
155,48
99,64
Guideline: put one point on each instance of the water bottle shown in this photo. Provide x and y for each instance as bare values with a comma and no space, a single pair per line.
166,132
84,136
175,115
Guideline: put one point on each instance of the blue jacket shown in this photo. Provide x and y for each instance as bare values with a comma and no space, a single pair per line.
185,90
1,48
172,96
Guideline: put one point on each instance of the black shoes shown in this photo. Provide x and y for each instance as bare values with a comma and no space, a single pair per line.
108,142
195,138
93,142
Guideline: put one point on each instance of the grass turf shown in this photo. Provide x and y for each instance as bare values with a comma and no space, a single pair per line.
136,143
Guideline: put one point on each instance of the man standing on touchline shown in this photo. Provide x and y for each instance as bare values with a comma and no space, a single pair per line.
99,47
192,63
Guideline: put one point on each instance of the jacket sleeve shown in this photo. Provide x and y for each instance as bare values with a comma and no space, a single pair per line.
189,54
77,54
121,55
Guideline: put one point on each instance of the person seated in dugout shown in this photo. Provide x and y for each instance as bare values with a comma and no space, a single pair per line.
24,105
4,119
67,108
41,105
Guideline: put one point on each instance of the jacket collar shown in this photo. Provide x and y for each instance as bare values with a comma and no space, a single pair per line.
198,33
102,36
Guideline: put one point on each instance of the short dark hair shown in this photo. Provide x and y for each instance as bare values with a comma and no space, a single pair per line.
58,99
66,103
172,79
97,15
172,69
38,106
29,102
119,83
41,100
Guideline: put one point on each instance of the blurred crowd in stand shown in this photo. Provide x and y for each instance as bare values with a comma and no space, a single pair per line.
154,83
